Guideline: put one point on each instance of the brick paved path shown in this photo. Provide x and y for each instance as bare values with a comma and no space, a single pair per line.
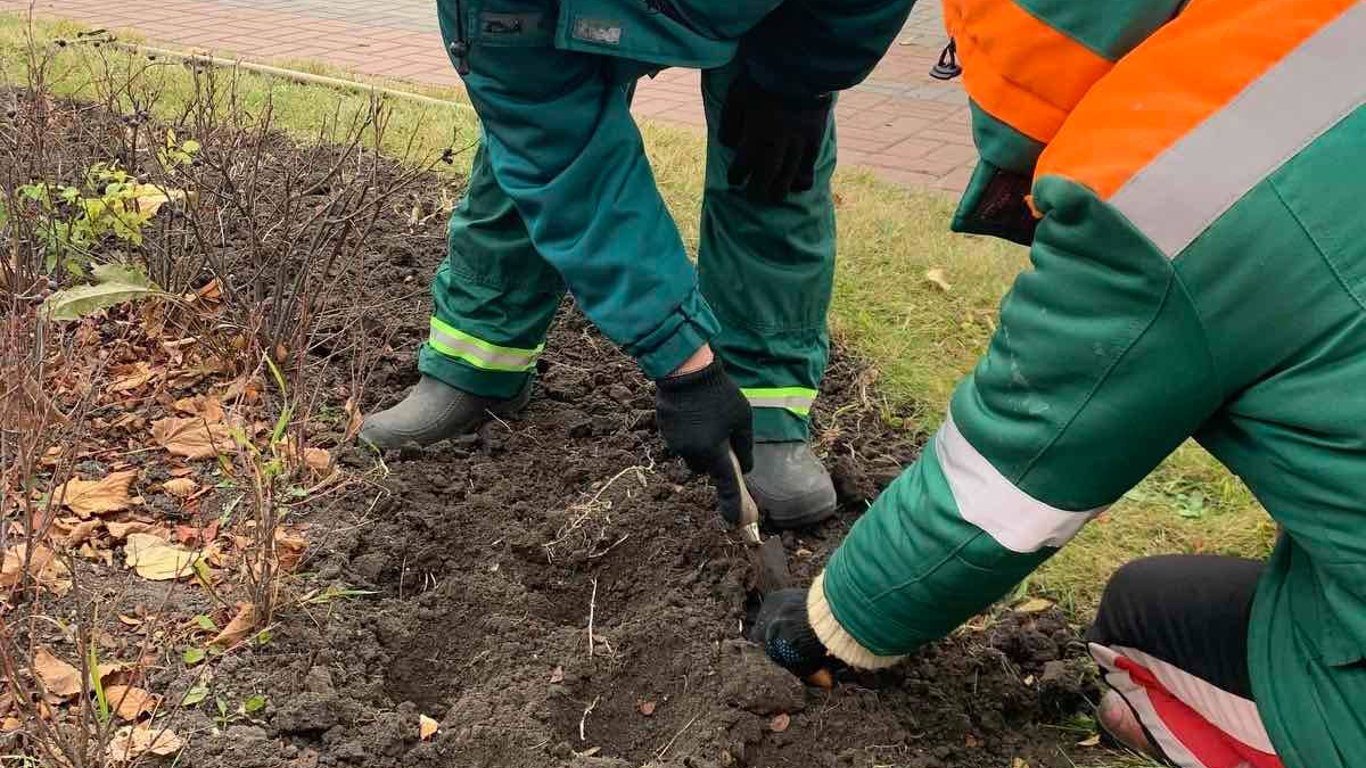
901,123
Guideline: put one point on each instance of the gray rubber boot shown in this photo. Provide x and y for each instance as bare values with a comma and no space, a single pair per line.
790,485
434,411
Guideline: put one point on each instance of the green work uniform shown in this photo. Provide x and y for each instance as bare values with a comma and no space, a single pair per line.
562,197
1199,271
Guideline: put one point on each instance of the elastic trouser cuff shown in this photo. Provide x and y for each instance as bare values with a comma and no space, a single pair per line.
683,333
833,635
503,385
779,425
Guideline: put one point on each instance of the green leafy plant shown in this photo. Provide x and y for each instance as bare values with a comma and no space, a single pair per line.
114,284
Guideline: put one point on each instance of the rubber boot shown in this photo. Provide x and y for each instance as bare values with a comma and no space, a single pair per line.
790,485
434,411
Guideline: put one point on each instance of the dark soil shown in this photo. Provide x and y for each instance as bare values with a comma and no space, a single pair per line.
488,555
473,569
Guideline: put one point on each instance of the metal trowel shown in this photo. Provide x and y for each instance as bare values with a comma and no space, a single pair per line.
748,524
769,573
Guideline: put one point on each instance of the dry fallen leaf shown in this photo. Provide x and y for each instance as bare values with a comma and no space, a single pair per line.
58,678
426,727
647,708
155,559
205,407
937,277
780,722
290,547
134,741
50,571
124,530
237,630
132,378
1034,605
97,497
1092,741
82,532
131,703
318,459
1018,763
180,487
557,675
193,438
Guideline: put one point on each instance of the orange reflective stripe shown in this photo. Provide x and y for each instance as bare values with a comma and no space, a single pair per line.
1017,68
1174,81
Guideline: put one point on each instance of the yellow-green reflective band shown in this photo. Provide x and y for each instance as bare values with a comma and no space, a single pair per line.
795,399
479,353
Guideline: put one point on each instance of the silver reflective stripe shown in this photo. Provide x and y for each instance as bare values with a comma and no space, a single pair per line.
498,359
1196,180
985,498
796,402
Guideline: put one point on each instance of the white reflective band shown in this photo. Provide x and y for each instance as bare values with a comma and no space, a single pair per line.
985,498
1234,715
1196,180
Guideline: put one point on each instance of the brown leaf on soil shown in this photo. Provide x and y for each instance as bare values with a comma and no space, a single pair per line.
936,277
132,742
780,722
97,497
82,532
49,571
239,628
193,438
557,675
180,487
206,407
132,377
58,678
155,559
25,406
647,708
11,724
131,703
124,530
427,727
318,460
290,547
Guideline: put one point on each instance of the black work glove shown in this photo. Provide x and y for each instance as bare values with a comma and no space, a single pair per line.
776,139
703,417
784,630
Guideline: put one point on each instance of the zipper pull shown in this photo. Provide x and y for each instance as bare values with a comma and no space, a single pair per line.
460,51
460,47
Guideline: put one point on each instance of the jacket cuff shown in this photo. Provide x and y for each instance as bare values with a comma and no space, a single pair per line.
833,636
681,334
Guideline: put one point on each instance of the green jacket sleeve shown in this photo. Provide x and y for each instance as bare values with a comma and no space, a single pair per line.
1099,369
811,47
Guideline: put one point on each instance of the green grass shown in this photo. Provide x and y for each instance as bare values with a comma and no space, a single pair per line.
919,336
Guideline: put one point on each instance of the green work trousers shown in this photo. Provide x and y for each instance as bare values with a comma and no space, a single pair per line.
594,228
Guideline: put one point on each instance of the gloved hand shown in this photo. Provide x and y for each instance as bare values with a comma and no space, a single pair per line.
703,417
776,139
784,630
